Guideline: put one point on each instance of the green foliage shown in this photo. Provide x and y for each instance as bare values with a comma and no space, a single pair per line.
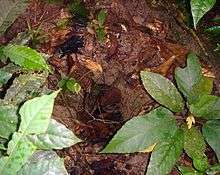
100,30
190,80
199,8
78,9
24,87
57,136
8,126
26,57
207,107
9,11
194,146
217,49
213,170
159,127
211,132
70,84
188,171
149,129
44,162
100,33
166,154
162,90
102,17
215,30
36,113
35,129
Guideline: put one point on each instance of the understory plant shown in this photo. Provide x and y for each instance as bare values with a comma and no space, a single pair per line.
164,132
28,134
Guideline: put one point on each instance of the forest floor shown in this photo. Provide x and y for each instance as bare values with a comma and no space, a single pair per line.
141,34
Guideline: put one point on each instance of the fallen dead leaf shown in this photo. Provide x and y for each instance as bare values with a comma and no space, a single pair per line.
93,66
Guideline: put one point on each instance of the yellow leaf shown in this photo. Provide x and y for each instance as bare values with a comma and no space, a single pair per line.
190,121
93,66
149,149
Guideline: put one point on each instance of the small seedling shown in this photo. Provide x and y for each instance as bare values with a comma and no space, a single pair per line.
69,84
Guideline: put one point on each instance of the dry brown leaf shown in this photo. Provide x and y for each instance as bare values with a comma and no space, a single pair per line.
93,66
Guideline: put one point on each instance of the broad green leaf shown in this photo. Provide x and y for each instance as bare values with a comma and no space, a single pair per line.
19,149
8,120
213,170
203,87
102,17
208,106
26,57
194,145
166,154
36,114
199,8
143,131
188,171
211,132
57,136
23,87
189,77
42,163
215,30
162,90
9,11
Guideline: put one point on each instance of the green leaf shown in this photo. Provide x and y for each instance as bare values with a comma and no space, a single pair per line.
20,150
211,132
143,131
215,30
213,170
162,90
78,9
8,120
57,136
215,19
26,57
36,114
189,77
188,171
100,33
208,106
199,8
203,87
102,17
195,146
23,87
44,162
166,154
9,11
69,84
